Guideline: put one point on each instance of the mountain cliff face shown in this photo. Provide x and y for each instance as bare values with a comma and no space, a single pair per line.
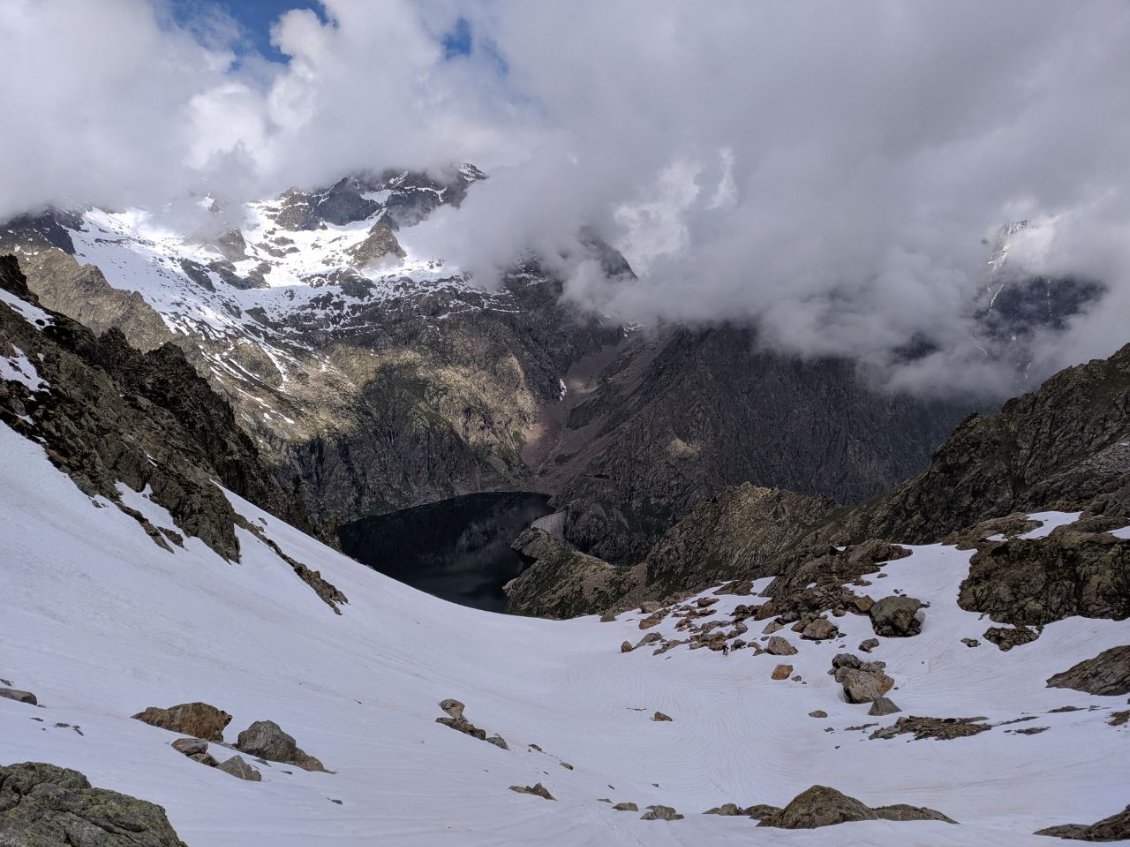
375,377
109,414
1063,446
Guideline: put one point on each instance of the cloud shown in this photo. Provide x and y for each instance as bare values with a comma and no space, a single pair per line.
826,170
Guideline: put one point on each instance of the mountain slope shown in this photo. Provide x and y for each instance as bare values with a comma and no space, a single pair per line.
100,623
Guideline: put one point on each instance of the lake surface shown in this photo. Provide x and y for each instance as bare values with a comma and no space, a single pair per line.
457,549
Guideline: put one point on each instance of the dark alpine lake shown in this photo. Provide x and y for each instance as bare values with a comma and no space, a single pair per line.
457,549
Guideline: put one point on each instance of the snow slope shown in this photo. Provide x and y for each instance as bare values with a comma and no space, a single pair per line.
99,622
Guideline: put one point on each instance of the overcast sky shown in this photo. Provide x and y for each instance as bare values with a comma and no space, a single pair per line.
828,170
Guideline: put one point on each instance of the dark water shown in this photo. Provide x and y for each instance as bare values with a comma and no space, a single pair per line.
457,549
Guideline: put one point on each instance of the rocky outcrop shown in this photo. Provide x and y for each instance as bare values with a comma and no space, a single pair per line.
896,616
942,729
823,806
200,720
1114,828
455,720
1041,580
1063,446
1106,674
113,414
266,740
48,806
563,583
738,534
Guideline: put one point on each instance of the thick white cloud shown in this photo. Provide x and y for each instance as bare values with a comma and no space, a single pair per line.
826,169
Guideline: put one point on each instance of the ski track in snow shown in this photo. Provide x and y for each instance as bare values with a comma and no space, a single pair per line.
99,622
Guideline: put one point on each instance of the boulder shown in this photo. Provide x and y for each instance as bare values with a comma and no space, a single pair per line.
819,713
19,696
499,741
1114,828
1106,674
626,807
820,629
237,767
538,790
782,672
895,617
868,645
43,805
818,806
266,740
824,806
199,720
659,716
660,813
881,706
625,646
465,726
779,646
863,686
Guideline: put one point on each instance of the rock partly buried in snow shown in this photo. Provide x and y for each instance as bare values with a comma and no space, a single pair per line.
266,740
881,706
199,720
19,696
824,806
237,767
456,721
895,617
1007,637
819,713
1108,673
942,729
726,809
626,807
537,789
43,805
869,644
659,716
1114,828
190,746
660,813
761,810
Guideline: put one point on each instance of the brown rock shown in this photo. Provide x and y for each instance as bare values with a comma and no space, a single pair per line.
659,716
779,646
199,720
537,789
820,629
782,672
237,767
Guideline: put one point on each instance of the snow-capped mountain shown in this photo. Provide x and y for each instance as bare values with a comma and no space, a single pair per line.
377,378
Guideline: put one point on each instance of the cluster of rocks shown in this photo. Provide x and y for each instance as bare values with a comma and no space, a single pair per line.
454,719
42,804
537,789
263,740
941,729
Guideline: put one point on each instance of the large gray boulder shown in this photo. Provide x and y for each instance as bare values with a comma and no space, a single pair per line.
896,617
267,740
1114,828
237,767
19,696
43,805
